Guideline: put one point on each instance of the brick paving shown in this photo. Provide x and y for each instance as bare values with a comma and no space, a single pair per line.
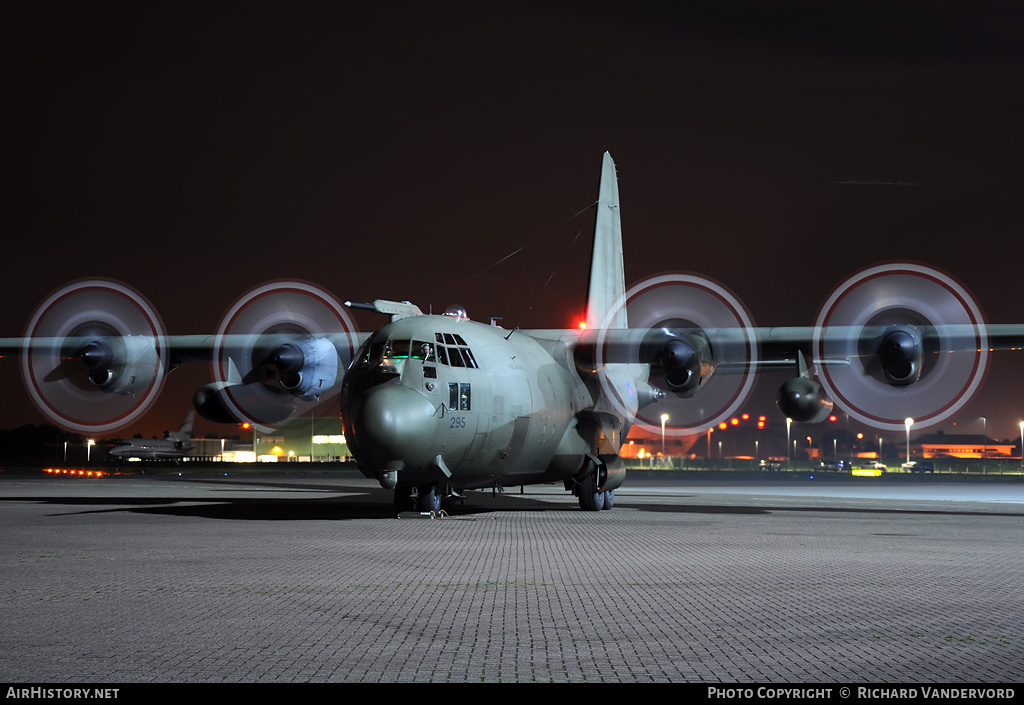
311,579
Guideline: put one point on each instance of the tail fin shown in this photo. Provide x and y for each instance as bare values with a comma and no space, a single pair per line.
607,274
186,428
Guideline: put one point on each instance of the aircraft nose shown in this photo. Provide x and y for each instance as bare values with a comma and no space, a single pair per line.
395,423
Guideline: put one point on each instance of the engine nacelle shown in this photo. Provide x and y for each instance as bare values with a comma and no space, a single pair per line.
803,400
308,367
218,401
119,365
683,362
900,353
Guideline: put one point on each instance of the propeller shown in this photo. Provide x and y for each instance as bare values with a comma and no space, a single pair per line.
280,350
693,326
916,341
94,356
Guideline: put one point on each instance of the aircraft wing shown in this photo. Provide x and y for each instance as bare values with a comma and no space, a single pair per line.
880,374
95,354
99,383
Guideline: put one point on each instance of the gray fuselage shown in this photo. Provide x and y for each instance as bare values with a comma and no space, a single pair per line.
443,399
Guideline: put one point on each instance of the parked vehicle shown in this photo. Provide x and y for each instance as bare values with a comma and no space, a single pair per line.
918,466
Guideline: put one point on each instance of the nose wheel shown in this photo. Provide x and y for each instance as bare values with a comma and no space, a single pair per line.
412,498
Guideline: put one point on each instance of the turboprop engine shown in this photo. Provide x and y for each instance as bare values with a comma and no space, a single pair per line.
279,348
897,341
94,356
700,345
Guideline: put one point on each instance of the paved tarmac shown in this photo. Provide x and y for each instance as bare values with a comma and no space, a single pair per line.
312,578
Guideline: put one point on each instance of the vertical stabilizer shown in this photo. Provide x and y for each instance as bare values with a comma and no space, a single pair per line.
607,275
185,432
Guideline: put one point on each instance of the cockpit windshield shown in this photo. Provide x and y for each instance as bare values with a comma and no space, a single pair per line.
447,349
452,350
406,349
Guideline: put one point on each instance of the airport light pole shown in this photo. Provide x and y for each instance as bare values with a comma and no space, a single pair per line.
908,422
984,440
88,450
1022,445
664,418
789,447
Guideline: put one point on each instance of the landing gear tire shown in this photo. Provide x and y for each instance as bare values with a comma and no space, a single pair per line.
609,499
590,499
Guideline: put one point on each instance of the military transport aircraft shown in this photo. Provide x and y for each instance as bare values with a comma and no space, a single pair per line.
436,404
174,444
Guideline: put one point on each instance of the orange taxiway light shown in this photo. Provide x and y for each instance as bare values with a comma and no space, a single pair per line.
75,472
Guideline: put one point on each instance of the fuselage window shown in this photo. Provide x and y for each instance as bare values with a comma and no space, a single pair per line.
442,355
459,396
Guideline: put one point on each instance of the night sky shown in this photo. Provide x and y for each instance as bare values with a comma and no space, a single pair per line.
400,150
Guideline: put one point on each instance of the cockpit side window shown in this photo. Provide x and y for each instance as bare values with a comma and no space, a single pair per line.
373,351
422,351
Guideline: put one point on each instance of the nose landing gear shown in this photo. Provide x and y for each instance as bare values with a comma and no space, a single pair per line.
421,498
